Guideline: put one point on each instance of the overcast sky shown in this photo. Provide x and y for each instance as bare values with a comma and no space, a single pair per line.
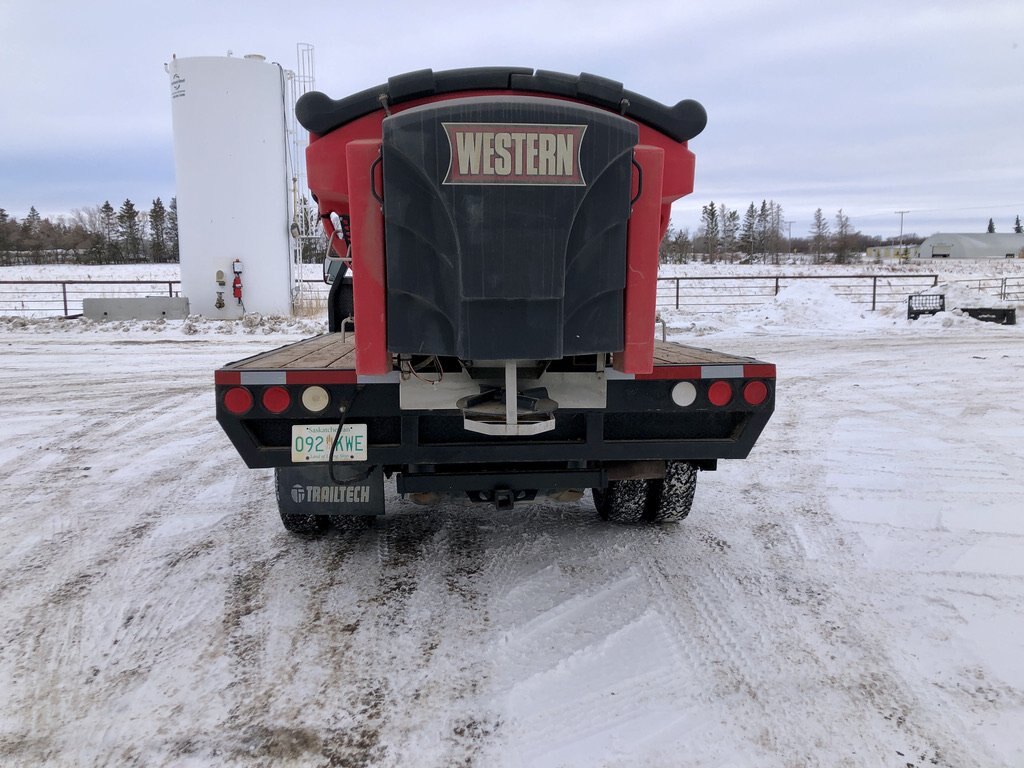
871,106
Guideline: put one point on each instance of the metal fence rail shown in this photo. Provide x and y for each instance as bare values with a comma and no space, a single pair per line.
63,298
722,293
1006,288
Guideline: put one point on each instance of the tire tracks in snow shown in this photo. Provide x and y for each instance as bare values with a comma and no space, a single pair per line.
593,637
833,651
363,620
77,469
428,605
90,638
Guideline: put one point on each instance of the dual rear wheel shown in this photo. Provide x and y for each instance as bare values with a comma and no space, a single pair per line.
667,500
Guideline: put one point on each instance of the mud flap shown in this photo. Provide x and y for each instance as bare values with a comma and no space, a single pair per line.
309,490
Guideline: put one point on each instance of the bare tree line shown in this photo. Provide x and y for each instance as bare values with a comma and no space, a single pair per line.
724,236
97,235
763,235
102,235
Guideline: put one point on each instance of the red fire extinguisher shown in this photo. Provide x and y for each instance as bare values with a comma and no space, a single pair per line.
236,284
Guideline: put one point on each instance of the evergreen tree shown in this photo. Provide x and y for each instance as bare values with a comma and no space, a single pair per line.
158,232
710,226
762,228
171,237
32,221
991,226
675,246
730,221
110,250
682,244
1016,226
842,237
775,229
747,233
30,231
128,231
819,235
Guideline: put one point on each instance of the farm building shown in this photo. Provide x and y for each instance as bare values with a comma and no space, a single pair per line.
879,252
972,246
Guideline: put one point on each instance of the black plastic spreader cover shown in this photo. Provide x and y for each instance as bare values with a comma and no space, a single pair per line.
505,227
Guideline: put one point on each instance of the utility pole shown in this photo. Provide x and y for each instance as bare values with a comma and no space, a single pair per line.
901,227
789,225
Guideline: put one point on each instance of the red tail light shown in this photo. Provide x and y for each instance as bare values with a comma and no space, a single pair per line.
755,392
276,399
238,400
720,393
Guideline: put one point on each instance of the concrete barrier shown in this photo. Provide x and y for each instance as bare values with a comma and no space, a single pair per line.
147,308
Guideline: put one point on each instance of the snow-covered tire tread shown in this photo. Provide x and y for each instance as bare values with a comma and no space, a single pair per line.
304,525
675,500
623,501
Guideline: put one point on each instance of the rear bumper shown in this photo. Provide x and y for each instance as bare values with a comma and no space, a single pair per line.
639,422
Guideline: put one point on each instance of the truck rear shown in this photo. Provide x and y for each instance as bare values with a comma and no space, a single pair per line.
501,227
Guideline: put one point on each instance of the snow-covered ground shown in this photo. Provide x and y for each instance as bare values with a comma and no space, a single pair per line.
851,595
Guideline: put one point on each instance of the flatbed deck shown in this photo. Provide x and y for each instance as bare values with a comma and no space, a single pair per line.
612,418
336,351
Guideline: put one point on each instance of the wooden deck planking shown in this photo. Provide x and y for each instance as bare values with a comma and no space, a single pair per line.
331,351
326,351
676,354
335,355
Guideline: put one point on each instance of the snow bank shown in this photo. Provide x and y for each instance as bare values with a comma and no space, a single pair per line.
804,306
963,294
813,307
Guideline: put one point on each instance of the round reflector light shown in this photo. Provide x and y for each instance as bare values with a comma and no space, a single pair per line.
238,400
315,399
720,393
684,394
755,392
276,399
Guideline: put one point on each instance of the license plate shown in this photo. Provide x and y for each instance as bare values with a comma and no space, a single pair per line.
312,442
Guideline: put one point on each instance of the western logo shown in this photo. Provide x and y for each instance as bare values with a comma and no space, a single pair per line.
527,153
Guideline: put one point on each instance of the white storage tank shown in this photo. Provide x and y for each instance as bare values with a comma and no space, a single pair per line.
230,160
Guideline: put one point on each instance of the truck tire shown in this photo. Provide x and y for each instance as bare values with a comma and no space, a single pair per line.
670,500
623,501
305,525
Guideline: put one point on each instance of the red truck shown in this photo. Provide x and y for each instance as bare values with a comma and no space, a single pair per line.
501,227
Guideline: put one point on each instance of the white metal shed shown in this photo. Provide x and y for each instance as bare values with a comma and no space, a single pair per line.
986,245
